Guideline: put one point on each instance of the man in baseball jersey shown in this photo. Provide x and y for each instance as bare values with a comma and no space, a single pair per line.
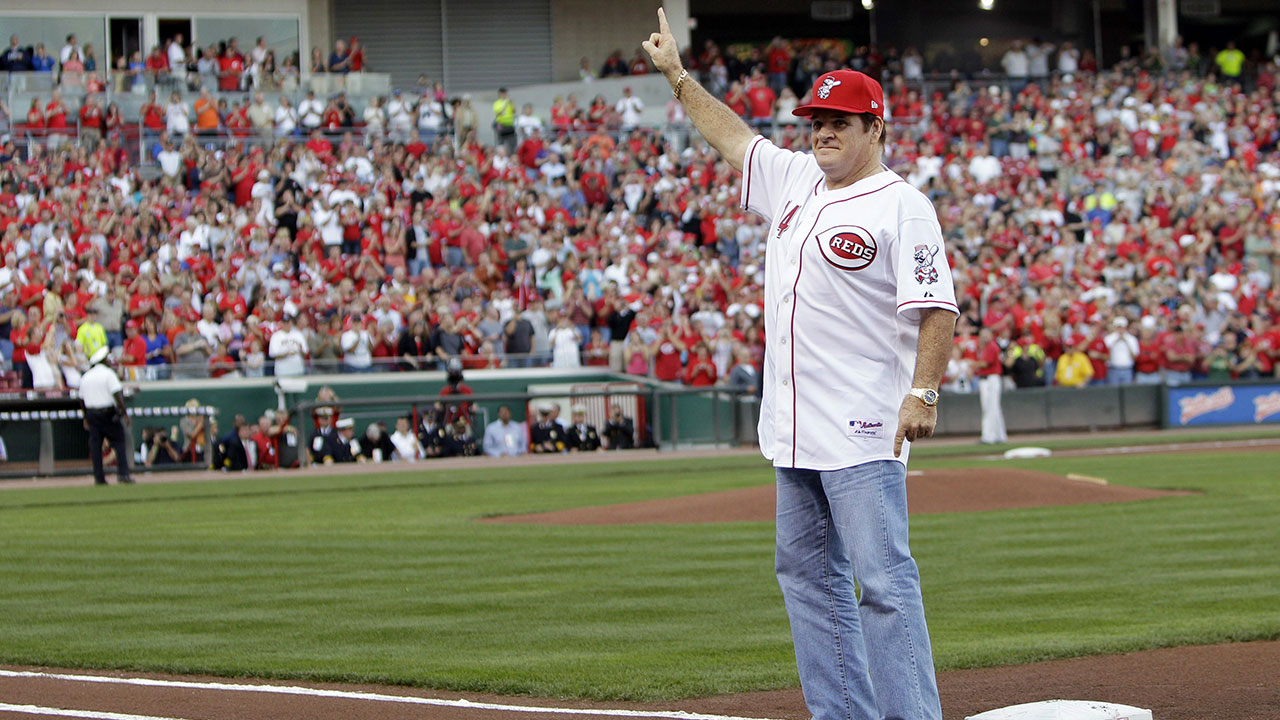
859,314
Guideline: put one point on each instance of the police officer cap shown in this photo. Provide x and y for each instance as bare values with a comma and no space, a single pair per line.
99,355
345,423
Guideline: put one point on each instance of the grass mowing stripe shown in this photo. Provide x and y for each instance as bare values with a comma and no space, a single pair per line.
283,578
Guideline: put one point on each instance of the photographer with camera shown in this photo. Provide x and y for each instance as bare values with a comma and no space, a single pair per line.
160,449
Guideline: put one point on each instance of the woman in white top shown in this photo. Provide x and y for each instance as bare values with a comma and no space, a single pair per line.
286,117
43,375
375,119
400,116
430,117
783,106
176,119
564,340
72,362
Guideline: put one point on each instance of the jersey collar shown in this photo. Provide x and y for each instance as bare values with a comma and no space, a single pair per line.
871,183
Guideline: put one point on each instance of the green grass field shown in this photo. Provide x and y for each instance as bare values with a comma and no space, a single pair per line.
387,578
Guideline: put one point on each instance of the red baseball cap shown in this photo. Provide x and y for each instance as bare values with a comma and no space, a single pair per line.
847,91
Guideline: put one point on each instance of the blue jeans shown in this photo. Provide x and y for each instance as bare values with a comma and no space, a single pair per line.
866,657
416,265
454,257
1119,376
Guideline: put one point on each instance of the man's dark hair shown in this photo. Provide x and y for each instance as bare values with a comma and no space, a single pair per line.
869,121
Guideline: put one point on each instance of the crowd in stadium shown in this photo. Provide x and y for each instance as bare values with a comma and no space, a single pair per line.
1115,226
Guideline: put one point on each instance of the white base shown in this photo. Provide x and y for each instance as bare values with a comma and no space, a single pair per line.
1021,453
1065,710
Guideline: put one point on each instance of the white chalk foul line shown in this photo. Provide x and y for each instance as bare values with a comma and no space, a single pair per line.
369,696
63,712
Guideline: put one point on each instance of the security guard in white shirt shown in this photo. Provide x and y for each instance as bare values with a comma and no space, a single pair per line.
102,396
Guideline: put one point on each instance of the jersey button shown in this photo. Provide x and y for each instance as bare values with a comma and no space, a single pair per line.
784,341
786,382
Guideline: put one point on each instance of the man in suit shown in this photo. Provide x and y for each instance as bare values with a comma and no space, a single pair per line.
460,440
236,450
432,431
325,440
581,436
620,431
346,448
546,436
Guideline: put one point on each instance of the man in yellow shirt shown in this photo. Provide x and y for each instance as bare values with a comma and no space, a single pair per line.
504,120
1074,367
91,335
1230,61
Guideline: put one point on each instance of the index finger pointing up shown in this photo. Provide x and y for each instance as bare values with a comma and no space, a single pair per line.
663,27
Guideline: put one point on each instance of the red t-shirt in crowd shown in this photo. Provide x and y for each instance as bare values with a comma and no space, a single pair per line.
1186,346
760,99
666,363
268,455
229,69
990,360
136,350
1148,359
701,373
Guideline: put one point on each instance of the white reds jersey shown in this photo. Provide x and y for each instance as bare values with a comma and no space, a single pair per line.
846,273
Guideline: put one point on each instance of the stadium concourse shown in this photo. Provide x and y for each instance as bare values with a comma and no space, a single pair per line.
1112,226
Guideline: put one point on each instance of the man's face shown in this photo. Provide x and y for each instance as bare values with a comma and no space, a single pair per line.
840,145
504,414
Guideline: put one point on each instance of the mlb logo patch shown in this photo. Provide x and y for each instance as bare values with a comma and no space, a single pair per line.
865,429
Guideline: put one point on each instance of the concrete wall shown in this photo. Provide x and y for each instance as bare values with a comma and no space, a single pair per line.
319,25
592,29
313,15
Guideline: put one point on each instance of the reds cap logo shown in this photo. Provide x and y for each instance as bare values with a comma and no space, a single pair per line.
848,247
827,84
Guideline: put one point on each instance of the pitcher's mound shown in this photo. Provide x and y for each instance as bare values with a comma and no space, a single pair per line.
931,491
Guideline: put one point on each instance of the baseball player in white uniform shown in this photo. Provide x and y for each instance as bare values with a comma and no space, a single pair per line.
859,317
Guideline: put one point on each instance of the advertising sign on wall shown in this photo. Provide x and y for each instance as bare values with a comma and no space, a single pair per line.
1223,405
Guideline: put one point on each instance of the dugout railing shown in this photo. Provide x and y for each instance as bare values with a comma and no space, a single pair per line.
665,418
58,421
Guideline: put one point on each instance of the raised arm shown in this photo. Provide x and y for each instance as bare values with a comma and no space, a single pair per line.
721,127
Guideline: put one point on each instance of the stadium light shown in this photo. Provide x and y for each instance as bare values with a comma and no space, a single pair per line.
986,4
868,4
